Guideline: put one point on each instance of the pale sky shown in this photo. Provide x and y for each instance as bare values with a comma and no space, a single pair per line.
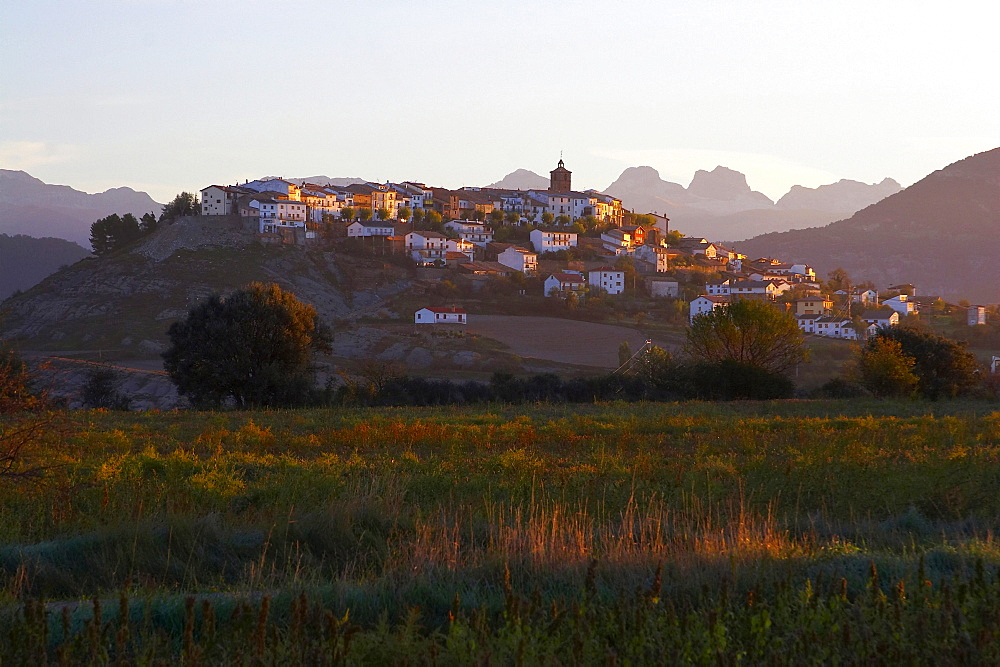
172,95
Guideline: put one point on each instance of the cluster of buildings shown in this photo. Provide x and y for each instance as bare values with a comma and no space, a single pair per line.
287,212
284,212
768,280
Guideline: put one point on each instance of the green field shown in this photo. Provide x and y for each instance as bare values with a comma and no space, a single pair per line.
789,532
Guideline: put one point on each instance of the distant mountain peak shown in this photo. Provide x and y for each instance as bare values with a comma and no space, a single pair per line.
521,179
720,183
843,197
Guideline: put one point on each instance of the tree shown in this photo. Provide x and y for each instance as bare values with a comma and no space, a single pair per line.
496,216
512,217
547,218
673,237
16,394
114,232
28,424
382,214
562,220
147,223
884,370
944,367
365,214
748,332
838,280
479,215
252,348
102,389
405,213
347,213
433,220
624,352
418,216
182,205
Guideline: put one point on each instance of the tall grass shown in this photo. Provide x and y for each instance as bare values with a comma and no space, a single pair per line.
523,515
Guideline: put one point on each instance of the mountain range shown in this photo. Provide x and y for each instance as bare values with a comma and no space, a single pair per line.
942,234
29,206
719,204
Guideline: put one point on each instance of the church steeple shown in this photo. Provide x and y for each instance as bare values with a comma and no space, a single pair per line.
560,178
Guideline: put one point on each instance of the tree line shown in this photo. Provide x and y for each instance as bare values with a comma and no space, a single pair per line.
117,231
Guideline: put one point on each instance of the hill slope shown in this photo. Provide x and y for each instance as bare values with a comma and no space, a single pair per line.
29,206
125,302
25,260
942,234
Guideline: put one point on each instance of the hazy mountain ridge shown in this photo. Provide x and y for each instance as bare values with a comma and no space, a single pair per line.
845,196
521,179
321,180
25,260
719,204
942,234
34,208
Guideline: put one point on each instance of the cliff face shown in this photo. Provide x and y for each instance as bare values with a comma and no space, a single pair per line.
941,234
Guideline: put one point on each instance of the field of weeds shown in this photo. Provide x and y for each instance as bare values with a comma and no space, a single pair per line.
704,533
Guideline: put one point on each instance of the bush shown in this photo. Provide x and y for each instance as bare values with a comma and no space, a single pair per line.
102,389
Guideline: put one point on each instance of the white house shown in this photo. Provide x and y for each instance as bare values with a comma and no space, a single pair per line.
472,232
219,199
835,327
868,297
717,287
656,256
560,284
803,270
279,185
608,279
807,322
661,287
617,241
462,246
426,247
880,318
550,241
901,304
706,304
519,259
756,289
976,315
443,315
369,228
275,213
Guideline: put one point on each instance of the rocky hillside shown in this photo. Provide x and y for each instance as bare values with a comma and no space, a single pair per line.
942,234
29,206
125,302
25,260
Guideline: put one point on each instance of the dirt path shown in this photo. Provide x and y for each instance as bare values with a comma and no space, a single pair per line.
554,339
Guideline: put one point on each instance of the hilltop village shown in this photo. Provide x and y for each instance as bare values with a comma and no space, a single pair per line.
568,245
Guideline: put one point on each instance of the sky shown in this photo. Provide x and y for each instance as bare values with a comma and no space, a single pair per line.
174,95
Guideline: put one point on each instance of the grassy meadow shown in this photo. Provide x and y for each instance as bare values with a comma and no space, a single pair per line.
786,532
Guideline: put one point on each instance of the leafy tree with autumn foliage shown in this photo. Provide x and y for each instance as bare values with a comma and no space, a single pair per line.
748,332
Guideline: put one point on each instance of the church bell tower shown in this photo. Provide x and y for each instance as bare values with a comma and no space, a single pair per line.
560,178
